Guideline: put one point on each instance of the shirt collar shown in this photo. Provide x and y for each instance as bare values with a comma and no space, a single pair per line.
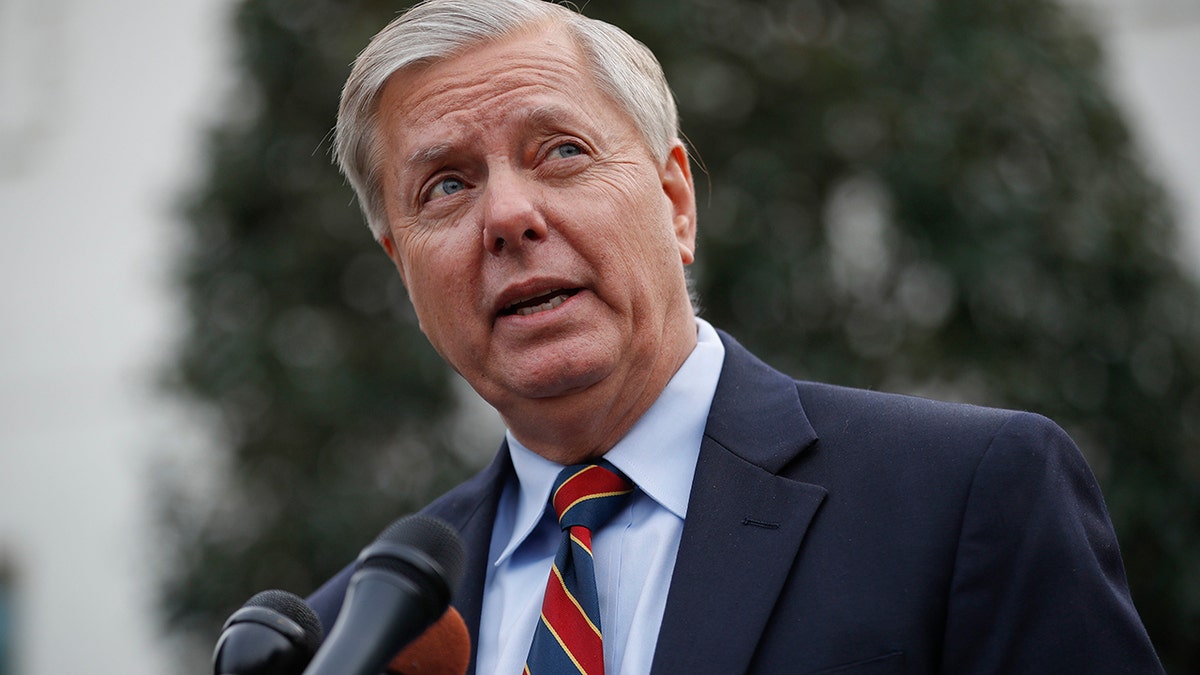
658,454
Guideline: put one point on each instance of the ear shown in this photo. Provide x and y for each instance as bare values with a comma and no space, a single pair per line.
681,192
393,252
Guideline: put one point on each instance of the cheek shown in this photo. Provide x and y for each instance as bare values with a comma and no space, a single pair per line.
636,219
647,240
440,284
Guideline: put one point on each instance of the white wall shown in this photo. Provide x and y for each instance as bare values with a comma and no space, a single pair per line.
101,102
1153,49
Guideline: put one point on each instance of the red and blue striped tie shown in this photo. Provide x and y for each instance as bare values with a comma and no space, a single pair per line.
568,638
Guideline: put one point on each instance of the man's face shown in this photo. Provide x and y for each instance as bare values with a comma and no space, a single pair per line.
541,243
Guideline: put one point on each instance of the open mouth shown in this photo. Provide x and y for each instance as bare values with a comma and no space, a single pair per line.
541,303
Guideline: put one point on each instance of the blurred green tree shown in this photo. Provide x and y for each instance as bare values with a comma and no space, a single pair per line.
332,413
930,196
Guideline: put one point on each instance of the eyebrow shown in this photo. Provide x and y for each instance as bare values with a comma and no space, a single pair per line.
545,117
539,117
433,154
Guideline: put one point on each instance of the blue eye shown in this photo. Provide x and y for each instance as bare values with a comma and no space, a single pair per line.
446,186
568,150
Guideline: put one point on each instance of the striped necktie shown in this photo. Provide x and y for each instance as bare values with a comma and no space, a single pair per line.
568,639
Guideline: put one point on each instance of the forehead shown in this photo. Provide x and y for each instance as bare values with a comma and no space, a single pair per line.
525,77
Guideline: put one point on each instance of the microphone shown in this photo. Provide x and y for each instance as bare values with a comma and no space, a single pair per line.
443,649
404,582
274,633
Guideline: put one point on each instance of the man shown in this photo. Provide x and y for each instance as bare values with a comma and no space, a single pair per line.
521,165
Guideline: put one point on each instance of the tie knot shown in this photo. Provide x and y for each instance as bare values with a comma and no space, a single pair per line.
589,495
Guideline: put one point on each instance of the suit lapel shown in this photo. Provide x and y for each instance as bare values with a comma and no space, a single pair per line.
745,524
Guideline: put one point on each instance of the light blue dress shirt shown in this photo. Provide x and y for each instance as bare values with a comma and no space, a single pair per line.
634,554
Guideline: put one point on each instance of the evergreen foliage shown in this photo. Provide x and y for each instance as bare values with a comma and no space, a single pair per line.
333,409
929,196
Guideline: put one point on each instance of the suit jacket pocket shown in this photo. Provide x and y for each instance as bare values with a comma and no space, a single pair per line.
892,662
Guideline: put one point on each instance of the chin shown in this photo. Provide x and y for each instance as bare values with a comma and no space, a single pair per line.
565,380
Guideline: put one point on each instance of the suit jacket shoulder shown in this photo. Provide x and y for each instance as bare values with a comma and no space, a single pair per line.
856,529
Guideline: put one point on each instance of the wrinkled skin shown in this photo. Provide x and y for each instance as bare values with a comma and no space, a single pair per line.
540,240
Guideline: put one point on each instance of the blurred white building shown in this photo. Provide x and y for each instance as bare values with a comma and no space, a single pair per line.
101,108
1153,49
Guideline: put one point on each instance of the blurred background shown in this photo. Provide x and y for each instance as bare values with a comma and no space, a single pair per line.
211,383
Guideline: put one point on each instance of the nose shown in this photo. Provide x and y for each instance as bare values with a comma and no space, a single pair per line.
511,217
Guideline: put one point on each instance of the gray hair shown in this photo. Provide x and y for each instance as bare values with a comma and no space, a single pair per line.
433,30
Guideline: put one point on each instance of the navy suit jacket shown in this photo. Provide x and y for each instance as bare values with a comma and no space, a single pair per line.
840,530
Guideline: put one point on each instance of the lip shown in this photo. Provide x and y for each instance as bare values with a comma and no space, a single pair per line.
530,290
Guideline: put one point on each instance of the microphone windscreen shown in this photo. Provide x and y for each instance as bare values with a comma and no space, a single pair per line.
274,633
430,540
443,649
295,608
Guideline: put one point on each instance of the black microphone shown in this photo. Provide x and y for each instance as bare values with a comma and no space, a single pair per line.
403,584
274,633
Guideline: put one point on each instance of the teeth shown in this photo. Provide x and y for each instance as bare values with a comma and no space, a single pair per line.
548,305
